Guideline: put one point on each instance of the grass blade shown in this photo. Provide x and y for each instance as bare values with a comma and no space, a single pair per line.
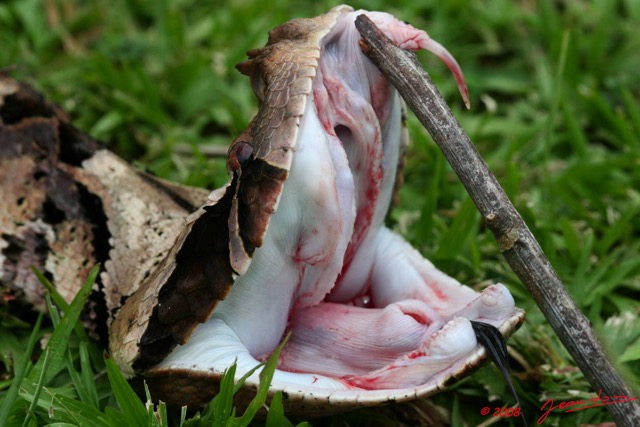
63,408
222,404
39,386
453,241
275,416
60,337
128,400
263,389
58,300
12,393
87,377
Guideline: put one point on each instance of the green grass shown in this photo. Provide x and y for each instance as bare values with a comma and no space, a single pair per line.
66,384
555,90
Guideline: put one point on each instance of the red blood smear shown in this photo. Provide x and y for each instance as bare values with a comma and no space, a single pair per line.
364,215
437,292
416,354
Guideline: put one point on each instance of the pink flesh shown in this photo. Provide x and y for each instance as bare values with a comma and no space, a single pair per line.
362,346
366,310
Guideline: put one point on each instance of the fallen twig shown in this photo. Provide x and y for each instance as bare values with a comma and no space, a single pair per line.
517,244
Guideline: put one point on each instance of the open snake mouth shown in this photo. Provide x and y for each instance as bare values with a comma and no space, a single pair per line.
366,312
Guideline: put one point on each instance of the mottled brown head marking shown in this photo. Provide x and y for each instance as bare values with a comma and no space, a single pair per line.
281,75
295,30
218,242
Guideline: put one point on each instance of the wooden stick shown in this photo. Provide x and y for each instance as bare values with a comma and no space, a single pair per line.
517,244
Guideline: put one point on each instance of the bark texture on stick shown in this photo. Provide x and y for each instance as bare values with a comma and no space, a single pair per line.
517,244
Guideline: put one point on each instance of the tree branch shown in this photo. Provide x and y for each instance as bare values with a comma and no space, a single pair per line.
517,244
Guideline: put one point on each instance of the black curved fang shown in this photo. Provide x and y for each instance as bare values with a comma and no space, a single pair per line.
490,337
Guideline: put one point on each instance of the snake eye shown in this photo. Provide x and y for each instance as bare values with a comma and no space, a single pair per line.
239,153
